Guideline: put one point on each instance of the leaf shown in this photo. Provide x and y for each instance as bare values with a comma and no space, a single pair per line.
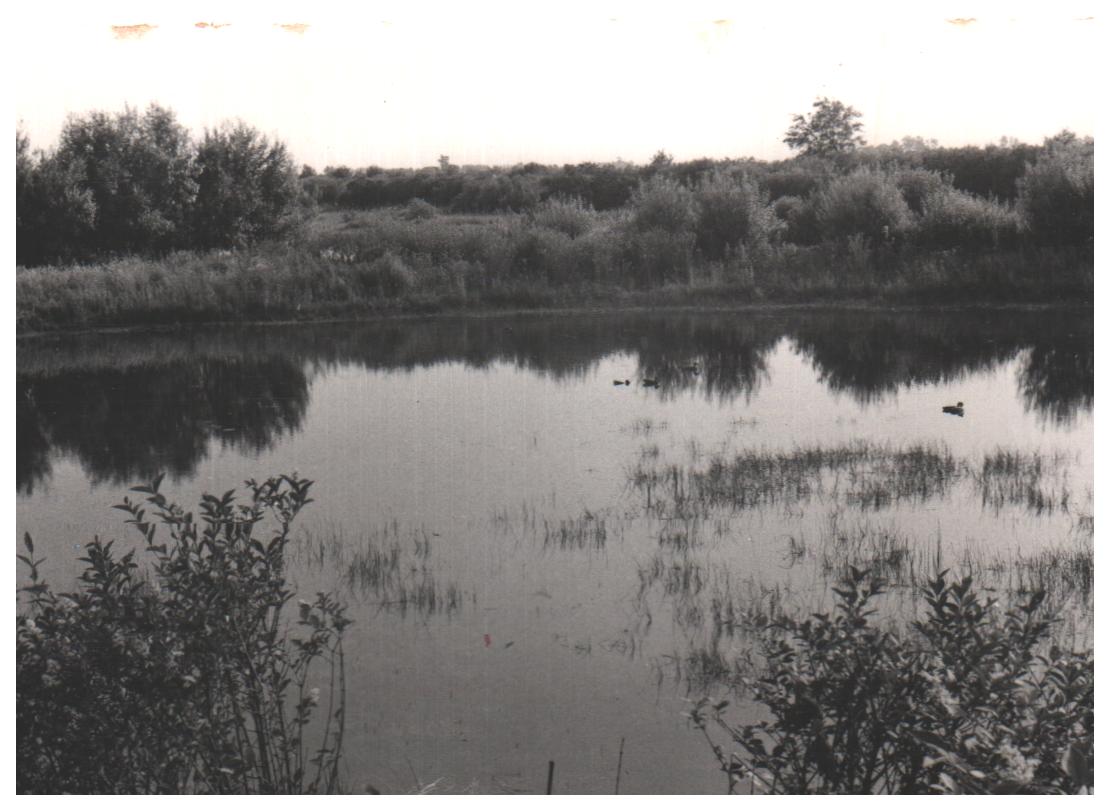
28,543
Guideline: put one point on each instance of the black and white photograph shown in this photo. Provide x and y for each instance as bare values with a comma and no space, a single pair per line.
518,399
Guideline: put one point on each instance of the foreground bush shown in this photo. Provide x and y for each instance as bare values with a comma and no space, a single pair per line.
185,681
966,701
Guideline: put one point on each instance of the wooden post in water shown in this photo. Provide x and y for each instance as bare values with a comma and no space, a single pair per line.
550,774
620,761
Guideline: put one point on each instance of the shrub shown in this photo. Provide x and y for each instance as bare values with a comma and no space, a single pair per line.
661,204
388,275
731,213
568,215
1057,193
418,209
953,219
966,702
918,184
799,218
865,202
186,681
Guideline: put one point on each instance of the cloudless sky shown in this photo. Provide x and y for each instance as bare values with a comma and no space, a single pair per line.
398,84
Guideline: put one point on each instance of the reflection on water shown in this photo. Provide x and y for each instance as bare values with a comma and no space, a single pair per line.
540,564
128,406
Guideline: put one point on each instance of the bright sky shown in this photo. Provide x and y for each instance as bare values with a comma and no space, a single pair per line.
556,83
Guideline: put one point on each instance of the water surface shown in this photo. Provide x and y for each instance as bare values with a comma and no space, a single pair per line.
501,460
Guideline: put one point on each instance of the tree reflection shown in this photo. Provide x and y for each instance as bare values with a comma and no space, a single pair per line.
126,425
129,406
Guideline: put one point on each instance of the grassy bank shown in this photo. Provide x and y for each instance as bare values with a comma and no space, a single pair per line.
414,260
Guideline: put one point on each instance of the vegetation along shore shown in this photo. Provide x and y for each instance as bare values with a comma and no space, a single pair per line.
132,220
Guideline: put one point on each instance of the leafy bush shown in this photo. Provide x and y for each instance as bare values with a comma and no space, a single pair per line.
418,209
568,215
388,275
799,218
1057,193
955,219
186,681
866,203
918,184
661,204
964,702
732,212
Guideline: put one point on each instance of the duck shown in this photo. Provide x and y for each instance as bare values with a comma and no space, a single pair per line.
622,382
957,409
651,382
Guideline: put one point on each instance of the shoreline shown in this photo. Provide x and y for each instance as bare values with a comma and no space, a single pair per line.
484,313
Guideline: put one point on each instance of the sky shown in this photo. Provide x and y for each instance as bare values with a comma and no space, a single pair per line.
399,84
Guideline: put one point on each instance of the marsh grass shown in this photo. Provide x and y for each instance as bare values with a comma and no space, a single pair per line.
389,566
587,531
868,475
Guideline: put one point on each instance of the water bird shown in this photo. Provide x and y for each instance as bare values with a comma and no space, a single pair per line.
957,409
651,382
622,382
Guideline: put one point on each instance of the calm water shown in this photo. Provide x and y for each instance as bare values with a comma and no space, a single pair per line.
500,459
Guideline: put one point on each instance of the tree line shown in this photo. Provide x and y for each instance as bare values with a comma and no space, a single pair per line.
138,183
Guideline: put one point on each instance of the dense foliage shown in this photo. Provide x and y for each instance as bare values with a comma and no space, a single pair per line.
184,679
136,183
968,700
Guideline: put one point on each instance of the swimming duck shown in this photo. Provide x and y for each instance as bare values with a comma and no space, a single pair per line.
651,383
957,409
622,382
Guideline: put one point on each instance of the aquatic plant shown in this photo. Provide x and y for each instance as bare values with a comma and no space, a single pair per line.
187,679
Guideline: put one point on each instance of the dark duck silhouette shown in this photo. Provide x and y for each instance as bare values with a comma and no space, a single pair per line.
957,409
651,382
622,382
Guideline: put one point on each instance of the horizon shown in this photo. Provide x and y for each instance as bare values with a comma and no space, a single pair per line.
393,90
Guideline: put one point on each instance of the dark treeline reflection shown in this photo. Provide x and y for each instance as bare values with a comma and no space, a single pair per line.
125,425
127,406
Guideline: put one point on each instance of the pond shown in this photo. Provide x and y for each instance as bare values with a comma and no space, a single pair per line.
544,565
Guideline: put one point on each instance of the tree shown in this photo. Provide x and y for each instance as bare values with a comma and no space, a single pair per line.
138,169
246,187
831,129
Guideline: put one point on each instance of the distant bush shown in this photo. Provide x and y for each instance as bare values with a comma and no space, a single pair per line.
866,203
569,216
965,702
185,681
418,209
799,219
1057,192
918,184
388,275
661,204
732,212
955,219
